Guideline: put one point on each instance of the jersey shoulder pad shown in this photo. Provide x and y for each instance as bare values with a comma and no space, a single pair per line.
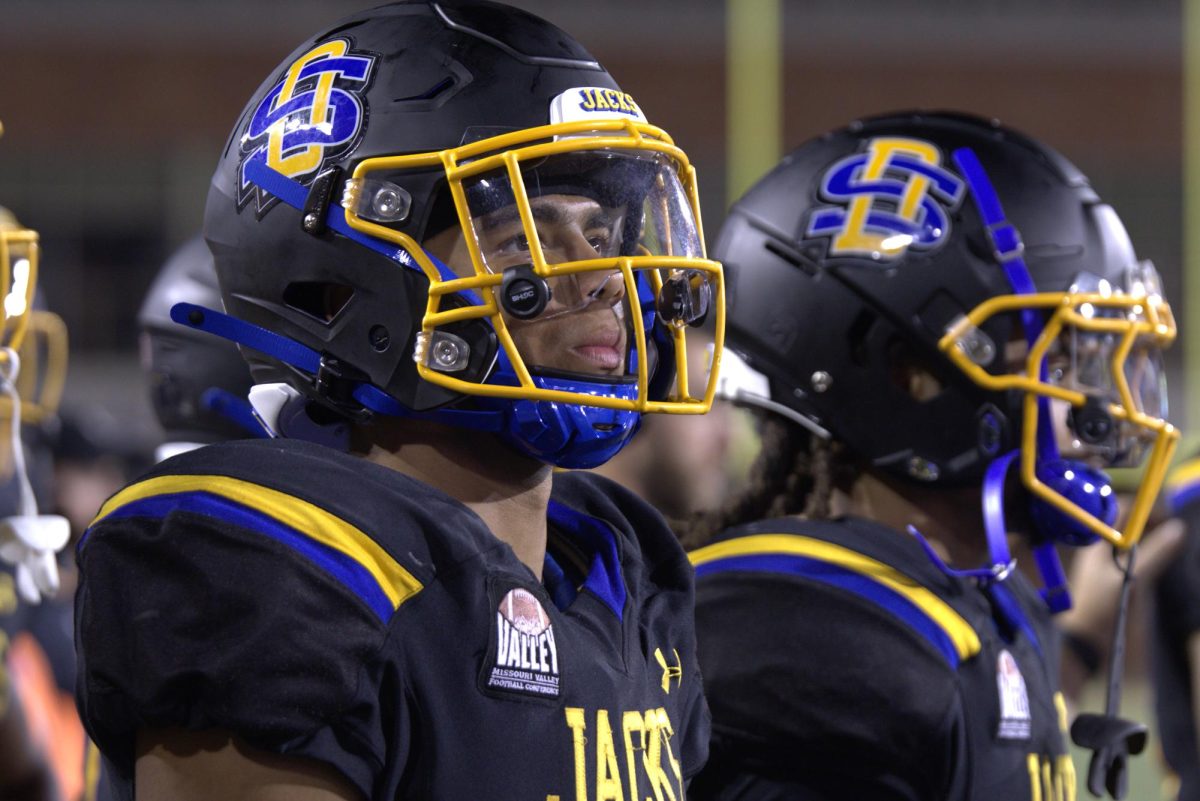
869,565
812,649
247,587
306,505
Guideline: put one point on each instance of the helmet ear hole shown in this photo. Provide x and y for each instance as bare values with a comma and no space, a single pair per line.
911,375
858,336
320,300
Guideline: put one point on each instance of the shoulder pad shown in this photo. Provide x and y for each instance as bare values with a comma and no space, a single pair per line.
905,600
797,668
277,494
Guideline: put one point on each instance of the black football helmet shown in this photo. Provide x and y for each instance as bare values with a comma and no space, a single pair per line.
198,383
956,245
382,227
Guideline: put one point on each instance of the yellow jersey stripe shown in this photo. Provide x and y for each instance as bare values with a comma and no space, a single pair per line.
311,520
961,634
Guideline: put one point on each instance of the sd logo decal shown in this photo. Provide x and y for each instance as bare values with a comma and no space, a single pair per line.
314,114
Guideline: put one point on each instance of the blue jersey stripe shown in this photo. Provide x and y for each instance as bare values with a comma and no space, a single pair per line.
343,568
862,586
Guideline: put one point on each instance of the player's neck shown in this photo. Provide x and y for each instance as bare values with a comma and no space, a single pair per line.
509,492
951,519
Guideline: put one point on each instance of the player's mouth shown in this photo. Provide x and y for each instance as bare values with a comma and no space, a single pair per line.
601,348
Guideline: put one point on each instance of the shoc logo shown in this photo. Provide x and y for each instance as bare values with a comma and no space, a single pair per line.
893,196
314,114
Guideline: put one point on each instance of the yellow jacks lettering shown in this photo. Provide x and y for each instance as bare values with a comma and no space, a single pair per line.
608,100
650,765
1051,778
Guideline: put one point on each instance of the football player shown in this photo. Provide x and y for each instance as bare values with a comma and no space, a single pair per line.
456,256
947,336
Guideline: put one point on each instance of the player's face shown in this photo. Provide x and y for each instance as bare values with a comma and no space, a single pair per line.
1082,362
582,329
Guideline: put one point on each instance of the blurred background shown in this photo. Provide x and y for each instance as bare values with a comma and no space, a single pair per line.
115,112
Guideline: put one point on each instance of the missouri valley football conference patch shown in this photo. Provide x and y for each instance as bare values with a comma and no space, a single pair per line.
1015,723
523,657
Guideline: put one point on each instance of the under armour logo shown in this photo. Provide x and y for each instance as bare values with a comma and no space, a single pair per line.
893,196
669,671
314,114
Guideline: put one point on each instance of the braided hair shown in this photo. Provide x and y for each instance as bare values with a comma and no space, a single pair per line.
794,473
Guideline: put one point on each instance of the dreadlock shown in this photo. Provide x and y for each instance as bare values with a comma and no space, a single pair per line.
794,473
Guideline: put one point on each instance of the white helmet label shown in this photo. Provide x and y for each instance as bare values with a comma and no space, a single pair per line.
594,103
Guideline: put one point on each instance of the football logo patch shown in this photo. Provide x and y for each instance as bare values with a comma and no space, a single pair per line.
315,113
893,196
1015,721
524,656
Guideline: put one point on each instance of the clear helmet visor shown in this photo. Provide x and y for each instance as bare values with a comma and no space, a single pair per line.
589,254
1109,353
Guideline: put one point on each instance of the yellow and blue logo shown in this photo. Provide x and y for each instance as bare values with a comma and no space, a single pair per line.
314,114
893,196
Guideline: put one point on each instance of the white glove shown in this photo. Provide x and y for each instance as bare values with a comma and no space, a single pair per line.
30,543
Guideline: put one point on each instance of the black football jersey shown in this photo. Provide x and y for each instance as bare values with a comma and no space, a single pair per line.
1176,618
324,607
840,663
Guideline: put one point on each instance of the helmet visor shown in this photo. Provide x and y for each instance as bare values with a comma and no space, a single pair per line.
1108,352
566,299
579,242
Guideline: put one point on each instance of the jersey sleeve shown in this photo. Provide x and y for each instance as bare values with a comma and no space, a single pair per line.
818,693
199,612
1178,591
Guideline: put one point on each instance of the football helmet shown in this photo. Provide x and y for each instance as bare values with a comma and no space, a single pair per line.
28,540
449,211
38,336
947,297
198,384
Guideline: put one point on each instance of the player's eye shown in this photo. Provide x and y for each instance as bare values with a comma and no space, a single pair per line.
600,242
513,245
